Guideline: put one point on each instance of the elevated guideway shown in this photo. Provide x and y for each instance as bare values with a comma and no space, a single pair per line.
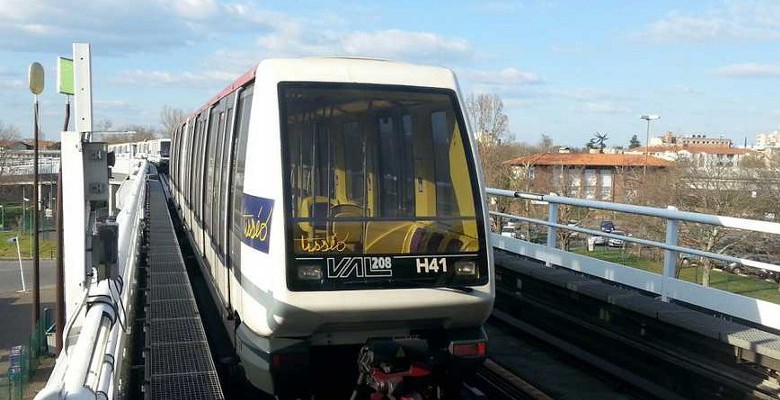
178,363
701,331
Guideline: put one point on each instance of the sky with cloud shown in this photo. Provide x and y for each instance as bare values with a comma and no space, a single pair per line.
567,69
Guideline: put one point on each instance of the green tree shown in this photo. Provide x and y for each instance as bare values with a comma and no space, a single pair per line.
634,142
598,142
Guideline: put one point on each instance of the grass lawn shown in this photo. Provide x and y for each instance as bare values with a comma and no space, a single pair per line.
8,250
750,286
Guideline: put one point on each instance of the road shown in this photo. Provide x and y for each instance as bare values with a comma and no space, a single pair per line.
10,280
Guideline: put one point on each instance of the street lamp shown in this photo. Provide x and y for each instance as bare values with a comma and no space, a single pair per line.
648,118
35,83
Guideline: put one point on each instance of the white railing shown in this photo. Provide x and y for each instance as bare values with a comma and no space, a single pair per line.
90,367
665,284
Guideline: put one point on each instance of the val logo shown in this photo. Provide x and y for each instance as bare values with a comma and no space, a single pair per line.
256,220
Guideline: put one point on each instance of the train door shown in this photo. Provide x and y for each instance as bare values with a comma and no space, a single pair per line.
221,190
199,161
185,166
215,115
235,185
217,123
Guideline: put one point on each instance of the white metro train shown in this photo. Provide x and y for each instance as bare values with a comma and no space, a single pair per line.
338,202
156,151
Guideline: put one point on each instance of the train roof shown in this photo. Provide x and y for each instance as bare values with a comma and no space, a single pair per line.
341,69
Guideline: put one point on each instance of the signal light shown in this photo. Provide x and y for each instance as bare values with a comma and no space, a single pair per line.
470,349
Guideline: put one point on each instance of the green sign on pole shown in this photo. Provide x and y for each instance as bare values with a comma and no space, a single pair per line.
65,75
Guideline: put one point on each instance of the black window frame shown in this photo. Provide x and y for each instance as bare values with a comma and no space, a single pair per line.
479,210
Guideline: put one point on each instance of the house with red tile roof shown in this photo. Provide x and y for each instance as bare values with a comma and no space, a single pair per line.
587,175
28,144
699,155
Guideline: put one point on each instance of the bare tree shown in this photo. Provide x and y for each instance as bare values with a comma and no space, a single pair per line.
546,144
170,118
492,133
103,125
8,134
706,187
487,115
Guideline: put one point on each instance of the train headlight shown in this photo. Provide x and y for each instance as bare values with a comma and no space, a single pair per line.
466,268
309,272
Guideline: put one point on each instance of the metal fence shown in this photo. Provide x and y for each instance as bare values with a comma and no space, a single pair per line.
23,360
666,284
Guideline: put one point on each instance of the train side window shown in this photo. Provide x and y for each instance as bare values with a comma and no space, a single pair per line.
453,193
445,204
184,157
224,190
200,156
243,112
210,151
216,193
172,168
188,160
173,139
197,163
202,166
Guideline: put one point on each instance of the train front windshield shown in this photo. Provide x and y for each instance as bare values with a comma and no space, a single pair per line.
381,187
165,149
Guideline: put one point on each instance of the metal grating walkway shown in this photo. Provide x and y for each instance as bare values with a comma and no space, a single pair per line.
178,363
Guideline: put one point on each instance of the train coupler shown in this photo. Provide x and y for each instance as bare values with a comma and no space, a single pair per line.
395,369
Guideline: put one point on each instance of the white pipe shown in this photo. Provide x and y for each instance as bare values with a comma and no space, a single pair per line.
82,355
98,354
128,243
110,361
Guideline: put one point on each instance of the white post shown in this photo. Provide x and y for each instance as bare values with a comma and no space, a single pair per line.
82,87
74,221
21,269
670,256
552,217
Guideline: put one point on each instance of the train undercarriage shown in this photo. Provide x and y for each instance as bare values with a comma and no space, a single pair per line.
393,368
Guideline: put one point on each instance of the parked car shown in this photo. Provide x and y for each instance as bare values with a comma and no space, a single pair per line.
508,231
733,267
687,259
613,242
599,240
607,226
760,272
